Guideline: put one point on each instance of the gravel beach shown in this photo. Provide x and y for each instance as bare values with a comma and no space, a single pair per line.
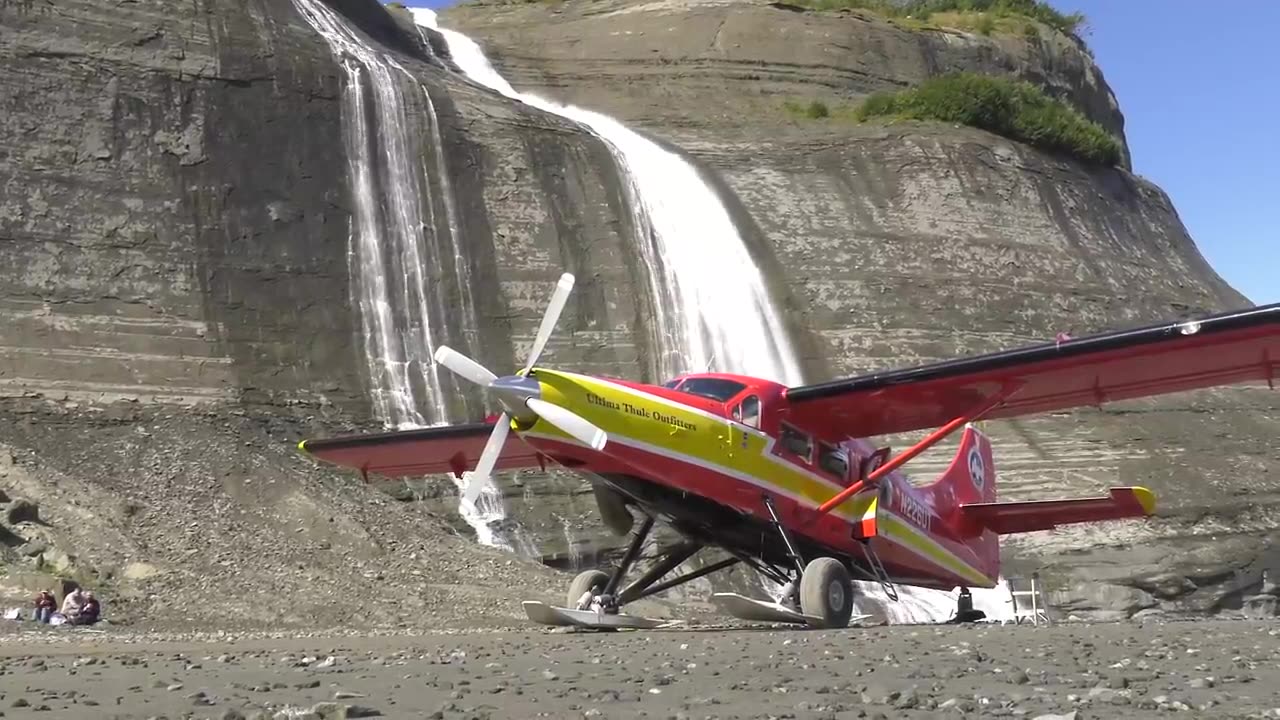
1136,669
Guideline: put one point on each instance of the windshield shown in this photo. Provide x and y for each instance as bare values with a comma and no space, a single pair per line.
714,388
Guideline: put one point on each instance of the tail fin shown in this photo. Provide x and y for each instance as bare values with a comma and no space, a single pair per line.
971,476
970,479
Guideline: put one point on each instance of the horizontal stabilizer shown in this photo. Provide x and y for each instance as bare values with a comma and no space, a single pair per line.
1019,517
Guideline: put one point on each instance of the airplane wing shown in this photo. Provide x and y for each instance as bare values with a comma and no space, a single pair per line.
1019,517
1170,357
428,451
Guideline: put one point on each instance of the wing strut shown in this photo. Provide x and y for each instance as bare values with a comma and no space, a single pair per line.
929,441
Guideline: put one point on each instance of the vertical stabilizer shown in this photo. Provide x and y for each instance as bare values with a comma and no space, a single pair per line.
969,479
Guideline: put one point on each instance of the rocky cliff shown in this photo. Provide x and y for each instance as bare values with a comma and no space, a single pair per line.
176,289
176,308
906,243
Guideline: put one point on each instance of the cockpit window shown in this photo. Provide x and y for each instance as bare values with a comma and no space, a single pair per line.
672,383
714,388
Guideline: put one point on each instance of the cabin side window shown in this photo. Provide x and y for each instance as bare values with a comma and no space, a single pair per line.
833,460
797,442
750,413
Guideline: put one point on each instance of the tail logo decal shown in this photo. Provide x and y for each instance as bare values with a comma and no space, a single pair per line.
977,468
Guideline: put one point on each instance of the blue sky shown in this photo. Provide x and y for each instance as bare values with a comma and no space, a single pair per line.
1200,99
1202,116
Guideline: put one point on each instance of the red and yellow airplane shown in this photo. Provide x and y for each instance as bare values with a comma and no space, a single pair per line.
779,477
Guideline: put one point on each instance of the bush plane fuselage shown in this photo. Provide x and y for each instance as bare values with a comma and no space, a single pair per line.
723,438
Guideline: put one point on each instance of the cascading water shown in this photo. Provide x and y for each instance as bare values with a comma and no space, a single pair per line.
724,321
391,259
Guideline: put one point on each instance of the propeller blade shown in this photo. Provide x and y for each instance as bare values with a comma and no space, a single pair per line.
464,366
483,472
570,422
549,318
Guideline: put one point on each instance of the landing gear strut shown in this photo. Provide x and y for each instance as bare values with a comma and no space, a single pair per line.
818,593
825,590
599,591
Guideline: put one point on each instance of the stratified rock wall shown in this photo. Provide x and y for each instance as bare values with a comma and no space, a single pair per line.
725,66
175,294
910,243
174,238
177,210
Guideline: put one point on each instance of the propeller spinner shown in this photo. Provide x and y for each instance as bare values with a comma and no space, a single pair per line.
520,396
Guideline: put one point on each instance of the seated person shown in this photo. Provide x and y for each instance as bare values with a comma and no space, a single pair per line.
46,605
72,602
89,611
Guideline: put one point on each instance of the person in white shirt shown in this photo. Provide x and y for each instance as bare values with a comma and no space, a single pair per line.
71,603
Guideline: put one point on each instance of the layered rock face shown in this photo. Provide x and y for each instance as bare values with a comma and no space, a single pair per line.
176,283
176,303
908,243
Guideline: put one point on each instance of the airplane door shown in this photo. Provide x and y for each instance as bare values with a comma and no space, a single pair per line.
745,414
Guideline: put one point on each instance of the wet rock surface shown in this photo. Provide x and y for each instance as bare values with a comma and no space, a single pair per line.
1220,669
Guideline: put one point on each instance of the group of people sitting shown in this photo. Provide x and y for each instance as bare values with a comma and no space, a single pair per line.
79,607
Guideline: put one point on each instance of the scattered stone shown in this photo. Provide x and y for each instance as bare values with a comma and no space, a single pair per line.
22,510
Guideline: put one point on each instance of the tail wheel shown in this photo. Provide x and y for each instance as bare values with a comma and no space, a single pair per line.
826,593
594,581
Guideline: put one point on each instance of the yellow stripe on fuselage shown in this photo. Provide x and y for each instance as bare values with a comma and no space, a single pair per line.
905,534
674,430
679,431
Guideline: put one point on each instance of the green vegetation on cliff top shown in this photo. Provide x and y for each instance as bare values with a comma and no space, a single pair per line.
1017,110
984,16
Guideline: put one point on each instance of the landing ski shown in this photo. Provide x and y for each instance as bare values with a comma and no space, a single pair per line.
745,608
564,617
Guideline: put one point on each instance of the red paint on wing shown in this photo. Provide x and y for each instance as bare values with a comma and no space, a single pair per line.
1173,357
428,451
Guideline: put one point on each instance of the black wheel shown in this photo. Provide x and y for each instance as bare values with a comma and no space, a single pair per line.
826,593
592,580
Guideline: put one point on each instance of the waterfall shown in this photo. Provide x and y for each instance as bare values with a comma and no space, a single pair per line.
390,259
723,320
393,262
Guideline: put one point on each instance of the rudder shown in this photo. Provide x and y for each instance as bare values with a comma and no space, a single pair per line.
969,479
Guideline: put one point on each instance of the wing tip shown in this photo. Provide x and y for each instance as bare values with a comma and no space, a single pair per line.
302,447
1144,497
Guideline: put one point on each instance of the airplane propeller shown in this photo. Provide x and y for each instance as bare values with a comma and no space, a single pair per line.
520,396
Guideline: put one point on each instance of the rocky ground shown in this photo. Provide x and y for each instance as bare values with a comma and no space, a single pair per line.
183,521
1220,669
